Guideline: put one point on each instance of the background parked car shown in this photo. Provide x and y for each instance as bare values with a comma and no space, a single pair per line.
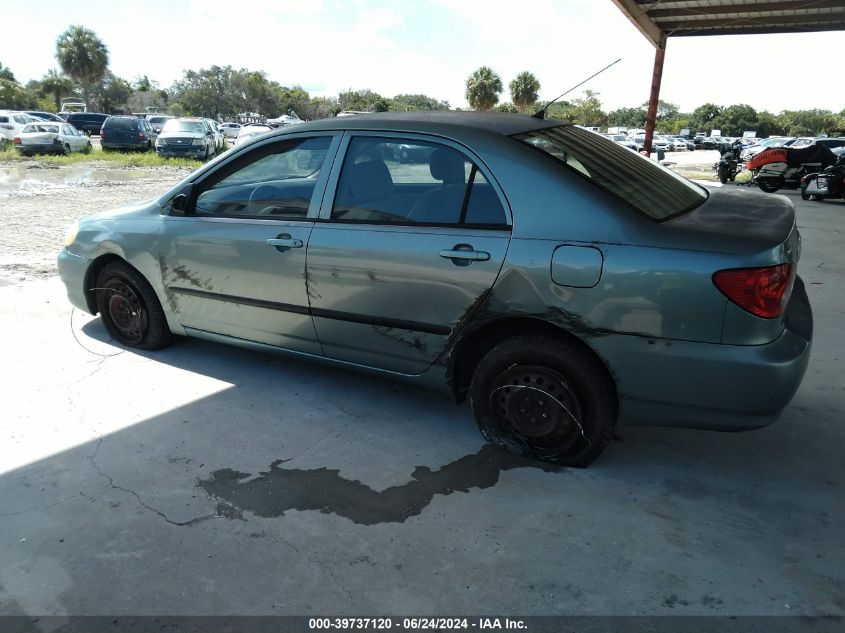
12,122
44,116
127,132
249,131
186,137
216,135
623,140
88,122
230,130
157,121
51,137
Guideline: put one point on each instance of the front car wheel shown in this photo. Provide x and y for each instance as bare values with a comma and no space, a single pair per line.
129,307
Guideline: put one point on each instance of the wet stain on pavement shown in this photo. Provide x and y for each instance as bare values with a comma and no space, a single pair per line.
272,493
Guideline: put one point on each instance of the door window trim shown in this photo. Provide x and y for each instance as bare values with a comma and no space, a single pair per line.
242,158
325,212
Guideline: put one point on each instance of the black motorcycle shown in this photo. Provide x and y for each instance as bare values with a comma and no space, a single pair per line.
829,183
729,165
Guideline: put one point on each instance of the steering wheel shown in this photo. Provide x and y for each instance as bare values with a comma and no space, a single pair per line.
261,200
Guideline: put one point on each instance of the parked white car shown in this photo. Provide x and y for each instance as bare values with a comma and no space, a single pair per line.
47,137
230,130
11,123
249,131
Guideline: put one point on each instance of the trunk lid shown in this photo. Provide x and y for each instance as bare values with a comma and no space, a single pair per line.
740,222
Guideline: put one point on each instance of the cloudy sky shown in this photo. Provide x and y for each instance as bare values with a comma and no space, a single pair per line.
430,46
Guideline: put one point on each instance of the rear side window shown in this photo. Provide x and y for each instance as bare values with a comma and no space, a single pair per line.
391,181
4,119
643,184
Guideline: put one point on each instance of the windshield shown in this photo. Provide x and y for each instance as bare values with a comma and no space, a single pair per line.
184,126
639,182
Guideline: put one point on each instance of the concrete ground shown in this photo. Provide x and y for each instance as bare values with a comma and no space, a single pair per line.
208,480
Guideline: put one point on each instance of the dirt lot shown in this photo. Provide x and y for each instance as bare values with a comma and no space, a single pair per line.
38,203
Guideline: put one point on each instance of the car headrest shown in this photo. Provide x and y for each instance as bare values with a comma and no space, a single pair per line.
447,165
369,180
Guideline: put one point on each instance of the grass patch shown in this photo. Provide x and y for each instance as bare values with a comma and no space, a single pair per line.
115,159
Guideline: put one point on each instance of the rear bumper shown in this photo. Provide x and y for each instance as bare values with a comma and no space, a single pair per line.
142,145
72,271
41,148
711,386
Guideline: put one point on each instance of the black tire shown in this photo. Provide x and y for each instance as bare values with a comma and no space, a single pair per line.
544,398
767,185
66,151
129,308
723,174
88,148
804,196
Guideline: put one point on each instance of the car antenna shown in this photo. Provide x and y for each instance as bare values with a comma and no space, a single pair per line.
541,113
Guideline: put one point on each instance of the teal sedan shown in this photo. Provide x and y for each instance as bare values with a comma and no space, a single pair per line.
558,280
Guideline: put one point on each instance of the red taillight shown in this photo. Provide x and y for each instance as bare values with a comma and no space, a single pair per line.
803,180
16,140
764,292
141,136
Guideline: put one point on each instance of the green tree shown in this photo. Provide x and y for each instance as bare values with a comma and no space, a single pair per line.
82,56
6,73
587,110
507,106
705,118
417,102
56,85
807,122
736,119
483,88
13,95
525,89
627,117
111,94
363,101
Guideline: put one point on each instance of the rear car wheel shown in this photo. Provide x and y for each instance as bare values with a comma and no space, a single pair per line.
723,174
129,308
544,398
88,148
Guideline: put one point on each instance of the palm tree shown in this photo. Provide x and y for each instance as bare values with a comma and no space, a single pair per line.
524,90
56,85
83,56
483,88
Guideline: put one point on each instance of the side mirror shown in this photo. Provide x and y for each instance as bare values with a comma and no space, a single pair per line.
181,202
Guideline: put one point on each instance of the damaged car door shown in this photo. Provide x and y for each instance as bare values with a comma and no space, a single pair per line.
232,248
412,233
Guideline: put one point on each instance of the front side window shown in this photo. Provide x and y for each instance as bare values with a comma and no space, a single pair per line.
396,181
275,182
643,184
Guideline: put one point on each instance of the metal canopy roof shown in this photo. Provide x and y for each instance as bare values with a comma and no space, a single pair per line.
659,19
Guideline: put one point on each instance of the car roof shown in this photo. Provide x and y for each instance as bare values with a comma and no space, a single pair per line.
503,123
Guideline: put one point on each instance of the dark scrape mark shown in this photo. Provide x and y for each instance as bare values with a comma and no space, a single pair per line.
406,337
181,273
310,286
671,601
279,490
372,277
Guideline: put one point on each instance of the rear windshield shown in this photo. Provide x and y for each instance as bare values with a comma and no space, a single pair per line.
183,126
639,182
121,123
42,127
157,119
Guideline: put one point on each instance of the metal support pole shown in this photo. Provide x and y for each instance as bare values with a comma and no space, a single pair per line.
651,115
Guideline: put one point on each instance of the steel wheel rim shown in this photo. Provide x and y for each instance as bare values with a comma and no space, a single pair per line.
538,406
126,312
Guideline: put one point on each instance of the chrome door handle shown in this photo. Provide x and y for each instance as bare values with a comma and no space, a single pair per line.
285,242
466,255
